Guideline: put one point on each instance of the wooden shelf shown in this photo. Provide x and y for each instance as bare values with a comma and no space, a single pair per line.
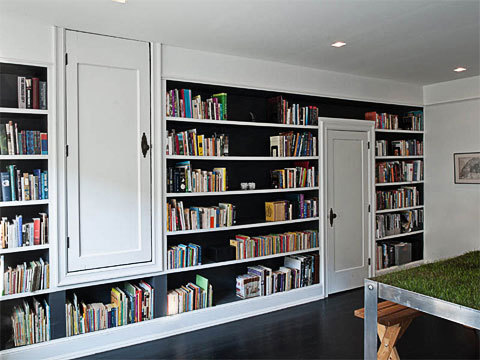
399,209
23,203
400,183
398,157
241,192
240,123
23,157
232,262
24,248
23,111
238,227
400,235
400,131
241,158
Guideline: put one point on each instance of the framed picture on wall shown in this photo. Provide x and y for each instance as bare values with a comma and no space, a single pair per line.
467,168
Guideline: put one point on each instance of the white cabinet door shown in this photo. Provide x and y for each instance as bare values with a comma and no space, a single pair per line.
108,176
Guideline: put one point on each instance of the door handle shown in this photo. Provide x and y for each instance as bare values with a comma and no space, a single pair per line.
145,146
332,216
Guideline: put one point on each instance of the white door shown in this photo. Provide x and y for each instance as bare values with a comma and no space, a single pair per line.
108,176
347,209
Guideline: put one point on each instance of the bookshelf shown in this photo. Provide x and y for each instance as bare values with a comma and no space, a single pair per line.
402,145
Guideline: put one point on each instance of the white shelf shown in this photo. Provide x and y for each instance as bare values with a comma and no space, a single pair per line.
400,131
25,294
400,183
399,209
23,249
241,158
240,123
23,111
399,267
240,192
23,157
23,203
245,226
231,262
400,235
398,157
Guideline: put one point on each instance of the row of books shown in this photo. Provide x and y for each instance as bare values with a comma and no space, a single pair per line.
26,277
16,233
398,171
254,246
294,207
190,297
182,255
130,303
393,253
298,271
293,144
181,104
182,178
23,142
398,147
294,177
18,186
199,217
398,223
31,93
31,322
189,143
412,121
280,111
406,196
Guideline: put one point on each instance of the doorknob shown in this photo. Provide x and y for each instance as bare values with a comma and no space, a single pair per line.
332,216
145,146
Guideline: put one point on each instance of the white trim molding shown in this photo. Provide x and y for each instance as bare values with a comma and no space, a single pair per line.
450,91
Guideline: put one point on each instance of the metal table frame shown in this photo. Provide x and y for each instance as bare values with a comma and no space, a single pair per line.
427,304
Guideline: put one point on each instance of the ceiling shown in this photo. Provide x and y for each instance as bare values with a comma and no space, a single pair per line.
413,41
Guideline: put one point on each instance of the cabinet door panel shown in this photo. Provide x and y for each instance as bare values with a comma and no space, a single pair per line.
108,178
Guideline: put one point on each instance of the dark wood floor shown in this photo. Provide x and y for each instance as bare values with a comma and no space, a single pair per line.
324,329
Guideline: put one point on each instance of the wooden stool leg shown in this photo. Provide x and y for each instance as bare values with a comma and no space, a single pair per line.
388,342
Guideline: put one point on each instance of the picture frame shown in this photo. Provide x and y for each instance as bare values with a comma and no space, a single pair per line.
466,168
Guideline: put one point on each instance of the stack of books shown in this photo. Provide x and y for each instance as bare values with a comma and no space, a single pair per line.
31,322
398,147
183,179
383,120
294,207
279,111
26,277
18,186
190,297
182,255
398,171
16,233
193,218
296,177
180,104
403,222
32,93
24,142
263,245
189,143
405,196
298,271
130,303
293,144
413,121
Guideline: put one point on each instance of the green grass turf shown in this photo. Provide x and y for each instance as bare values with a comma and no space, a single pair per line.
456,280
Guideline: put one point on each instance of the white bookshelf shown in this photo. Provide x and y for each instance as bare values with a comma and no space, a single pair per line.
241,192
399,183
399,209
396,236
242,158
399,131
7,110
24,249
23,157
5,204
25,294
409,157
241,123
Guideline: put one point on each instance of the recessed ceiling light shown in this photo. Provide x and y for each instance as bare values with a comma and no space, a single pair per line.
339,44
120,1
460,69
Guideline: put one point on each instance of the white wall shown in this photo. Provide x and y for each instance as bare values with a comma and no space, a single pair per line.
452,124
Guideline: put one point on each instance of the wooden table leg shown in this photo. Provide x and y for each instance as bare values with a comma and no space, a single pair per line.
388,342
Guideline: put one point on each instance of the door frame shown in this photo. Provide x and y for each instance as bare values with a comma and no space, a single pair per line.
97,276
340,124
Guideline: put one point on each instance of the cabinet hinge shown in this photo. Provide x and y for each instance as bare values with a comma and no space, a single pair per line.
68,242
66,150
66,58
369,261
369,208
368,144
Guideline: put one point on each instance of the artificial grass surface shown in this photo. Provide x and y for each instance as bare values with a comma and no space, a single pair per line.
456,280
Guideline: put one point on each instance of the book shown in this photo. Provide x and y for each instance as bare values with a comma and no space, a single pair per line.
190,297
28,92
43,95
22,92
35,93
6,186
